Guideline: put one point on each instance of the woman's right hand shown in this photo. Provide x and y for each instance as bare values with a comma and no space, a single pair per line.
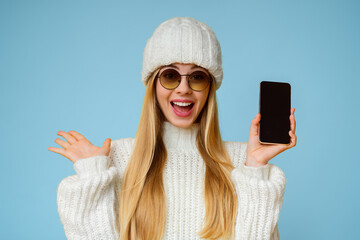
78,147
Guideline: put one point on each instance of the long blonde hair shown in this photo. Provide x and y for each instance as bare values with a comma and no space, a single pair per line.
142,210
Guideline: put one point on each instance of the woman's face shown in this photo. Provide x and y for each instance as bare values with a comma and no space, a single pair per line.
177,115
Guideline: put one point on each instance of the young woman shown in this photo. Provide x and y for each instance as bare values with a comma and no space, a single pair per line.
176,179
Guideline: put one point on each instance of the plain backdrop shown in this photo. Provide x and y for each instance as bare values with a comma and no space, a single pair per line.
76,65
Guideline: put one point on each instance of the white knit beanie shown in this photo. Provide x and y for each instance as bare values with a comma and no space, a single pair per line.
183,40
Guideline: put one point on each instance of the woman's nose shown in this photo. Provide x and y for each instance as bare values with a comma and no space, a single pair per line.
183,86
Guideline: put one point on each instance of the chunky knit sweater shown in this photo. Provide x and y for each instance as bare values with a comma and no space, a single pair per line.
88,201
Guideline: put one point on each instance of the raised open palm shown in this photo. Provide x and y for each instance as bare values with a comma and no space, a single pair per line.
78,147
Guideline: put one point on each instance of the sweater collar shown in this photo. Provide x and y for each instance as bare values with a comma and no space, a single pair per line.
180,138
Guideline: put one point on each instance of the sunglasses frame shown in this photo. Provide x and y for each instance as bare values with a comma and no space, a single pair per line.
187,79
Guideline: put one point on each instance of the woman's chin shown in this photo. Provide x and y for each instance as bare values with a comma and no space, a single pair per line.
182,123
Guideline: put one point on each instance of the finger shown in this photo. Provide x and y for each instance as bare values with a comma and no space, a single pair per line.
78,136
67,136
294,128
107,142
293,139
62,143
292,120
292,123
254,127
58,150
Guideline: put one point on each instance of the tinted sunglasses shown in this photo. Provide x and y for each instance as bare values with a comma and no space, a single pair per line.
197,81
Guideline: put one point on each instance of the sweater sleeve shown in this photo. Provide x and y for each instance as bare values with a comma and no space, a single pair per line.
86,200
260,192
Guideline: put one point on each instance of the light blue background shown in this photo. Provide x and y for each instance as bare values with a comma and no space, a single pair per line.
76,65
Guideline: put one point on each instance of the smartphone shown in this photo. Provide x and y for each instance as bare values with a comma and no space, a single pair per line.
275,109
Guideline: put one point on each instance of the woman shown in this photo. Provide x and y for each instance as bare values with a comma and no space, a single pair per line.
177,179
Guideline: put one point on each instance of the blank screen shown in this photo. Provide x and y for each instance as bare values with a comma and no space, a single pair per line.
275,112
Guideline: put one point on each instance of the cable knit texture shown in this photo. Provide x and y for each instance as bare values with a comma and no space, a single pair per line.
183,40
88,201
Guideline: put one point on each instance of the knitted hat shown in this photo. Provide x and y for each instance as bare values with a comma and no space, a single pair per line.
183,40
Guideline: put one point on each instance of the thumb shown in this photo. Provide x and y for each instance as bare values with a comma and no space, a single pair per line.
106,145
254,128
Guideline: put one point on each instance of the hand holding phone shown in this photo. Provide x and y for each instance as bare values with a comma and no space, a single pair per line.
259,154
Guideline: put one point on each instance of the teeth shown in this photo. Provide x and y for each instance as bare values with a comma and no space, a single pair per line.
182,104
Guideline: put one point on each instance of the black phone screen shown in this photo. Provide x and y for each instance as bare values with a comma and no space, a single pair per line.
274,108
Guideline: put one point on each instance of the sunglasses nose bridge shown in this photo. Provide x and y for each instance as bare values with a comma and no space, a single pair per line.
186,76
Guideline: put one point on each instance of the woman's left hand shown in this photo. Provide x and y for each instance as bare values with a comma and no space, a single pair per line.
259,154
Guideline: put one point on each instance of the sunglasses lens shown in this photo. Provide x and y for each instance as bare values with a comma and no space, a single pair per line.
170,78
199,80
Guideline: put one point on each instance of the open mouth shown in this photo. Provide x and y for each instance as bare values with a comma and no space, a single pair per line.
182,107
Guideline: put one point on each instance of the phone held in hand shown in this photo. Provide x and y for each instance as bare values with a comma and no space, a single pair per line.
274,107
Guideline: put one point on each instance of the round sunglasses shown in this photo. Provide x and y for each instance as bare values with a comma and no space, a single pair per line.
197,81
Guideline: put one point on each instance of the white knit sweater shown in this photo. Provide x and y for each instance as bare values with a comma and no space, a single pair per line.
87,202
